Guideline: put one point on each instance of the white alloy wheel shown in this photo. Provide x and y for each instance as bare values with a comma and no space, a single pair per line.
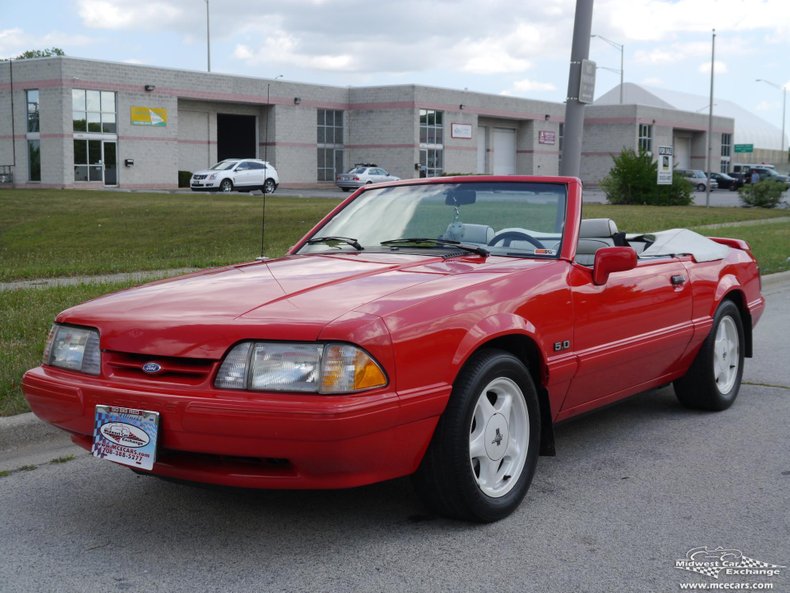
499,437
726,355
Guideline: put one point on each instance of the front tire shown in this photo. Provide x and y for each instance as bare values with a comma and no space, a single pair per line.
226,185
714,379
701,187
484,451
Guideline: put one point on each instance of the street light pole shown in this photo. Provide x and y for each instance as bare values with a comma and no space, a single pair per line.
784,103
208,38
621,47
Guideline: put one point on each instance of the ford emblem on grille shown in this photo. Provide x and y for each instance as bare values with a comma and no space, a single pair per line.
152,368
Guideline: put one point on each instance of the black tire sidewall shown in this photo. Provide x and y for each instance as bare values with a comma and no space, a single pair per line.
698,388
727,309
484,368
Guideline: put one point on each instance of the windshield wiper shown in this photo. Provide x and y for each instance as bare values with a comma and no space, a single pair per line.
421,242
330,240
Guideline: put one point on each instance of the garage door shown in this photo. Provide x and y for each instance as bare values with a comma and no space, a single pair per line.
682,151
504,151
481,149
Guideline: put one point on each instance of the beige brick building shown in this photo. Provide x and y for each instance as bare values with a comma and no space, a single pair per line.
73,123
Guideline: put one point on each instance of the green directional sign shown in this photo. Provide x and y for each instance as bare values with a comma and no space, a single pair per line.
744,148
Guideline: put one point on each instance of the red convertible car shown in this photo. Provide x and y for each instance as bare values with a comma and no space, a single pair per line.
434,327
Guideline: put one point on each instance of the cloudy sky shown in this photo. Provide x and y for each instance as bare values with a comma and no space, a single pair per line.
520,48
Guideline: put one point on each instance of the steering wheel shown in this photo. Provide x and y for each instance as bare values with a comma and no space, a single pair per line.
506,237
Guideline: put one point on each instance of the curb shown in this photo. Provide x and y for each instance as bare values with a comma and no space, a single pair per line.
26,429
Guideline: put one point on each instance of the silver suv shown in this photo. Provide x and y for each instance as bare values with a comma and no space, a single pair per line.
698,179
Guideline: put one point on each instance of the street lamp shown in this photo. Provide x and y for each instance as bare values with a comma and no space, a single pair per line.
784,102
208,38
619,46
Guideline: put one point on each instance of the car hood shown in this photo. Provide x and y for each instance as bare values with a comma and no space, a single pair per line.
210,171
293,298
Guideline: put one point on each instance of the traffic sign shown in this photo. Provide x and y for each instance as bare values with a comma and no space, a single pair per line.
744,148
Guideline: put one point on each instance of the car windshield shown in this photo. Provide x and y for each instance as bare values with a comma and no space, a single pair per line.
520,219
223,165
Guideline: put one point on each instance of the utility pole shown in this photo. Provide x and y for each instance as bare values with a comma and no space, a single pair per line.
208,37
577,96
710,120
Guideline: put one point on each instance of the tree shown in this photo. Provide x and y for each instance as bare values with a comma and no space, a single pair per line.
39,53
632,180
763,194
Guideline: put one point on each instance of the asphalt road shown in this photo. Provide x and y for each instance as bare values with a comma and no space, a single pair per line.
632,489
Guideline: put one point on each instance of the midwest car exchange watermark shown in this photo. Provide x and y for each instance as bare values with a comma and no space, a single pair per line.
728,562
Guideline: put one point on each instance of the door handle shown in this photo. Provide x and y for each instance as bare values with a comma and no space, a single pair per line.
678,280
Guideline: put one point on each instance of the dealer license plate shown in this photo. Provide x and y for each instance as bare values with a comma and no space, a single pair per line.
126,436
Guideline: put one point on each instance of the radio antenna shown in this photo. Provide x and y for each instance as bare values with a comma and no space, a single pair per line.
263,219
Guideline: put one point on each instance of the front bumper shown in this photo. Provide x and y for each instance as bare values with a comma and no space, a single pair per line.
204,186
255,440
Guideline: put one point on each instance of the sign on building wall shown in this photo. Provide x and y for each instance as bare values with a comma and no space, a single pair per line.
461,131
744,148
546,137
664,165
148,116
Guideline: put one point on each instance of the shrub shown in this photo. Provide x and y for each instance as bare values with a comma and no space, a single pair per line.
632,180
763,194
183,178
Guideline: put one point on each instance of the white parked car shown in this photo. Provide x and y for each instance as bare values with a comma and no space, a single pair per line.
363,174
238,175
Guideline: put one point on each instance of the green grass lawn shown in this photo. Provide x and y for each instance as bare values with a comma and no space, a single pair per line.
51,233
25,318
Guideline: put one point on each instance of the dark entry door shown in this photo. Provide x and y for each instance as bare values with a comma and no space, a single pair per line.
236,136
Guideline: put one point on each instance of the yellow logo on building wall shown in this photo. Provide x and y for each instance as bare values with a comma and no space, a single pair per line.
149,116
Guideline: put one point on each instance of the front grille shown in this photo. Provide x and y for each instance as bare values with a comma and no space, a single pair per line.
184,371
199,176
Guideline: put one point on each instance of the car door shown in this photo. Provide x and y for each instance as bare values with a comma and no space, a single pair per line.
628,332
243,174
377,175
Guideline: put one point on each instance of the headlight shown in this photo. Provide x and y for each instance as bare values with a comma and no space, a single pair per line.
306,368
74,348
212,176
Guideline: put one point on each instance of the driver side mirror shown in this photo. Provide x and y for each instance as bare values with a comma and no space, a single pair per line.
612,259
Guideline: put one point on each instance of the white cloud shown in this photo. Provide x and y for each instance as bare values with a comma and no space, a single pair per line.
525,85
718,67
121,14
16,41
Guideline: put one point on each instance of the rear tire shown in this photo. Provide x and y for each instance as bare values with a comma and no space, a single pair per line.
268,186
484,451
714,379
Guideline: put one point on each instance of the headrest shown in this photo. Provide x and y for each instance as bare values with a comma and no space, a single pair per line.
597,227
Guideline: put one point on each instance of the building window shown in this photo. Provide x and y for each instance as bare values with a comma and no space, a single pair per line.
646,138
34,160
726,147
726,144
330,144
32,111
33,135
431,143
93,111
87,160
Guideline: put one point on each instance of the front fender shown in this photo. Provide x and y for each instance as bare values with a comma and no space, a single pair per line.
491,328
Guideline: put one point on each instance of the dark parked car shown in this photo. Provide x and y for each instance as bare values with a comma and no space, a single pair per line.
769,173
727,181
